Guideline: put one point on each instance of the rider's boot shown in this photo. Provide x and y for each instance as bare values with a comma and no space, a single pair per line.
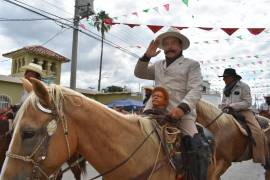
196,157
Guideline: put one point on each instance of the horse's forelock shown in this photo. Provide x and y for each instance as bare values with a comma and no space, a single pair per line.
29,101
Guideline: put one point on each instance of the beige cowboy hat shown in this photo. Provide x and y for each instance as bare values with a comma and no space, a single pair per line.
33,67
174,32
148,88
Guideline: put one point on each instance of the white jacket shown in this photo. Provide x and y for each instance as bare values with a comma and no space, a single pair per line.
182,79
239,99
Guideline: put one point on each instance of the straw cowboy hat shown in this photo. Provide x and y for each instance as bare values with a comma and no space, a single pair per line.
148,88
174,32
33,67
230,72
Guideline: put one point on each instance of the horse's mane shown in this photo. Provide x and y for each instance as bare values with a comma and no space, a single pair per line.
210,112
207,108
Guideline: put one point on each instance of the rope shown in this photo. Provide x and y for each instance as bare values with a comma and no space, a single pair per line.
155,164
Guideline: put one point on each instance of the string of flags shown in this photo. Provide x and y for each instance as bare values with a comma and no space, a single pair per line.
156,28
157,9
246,58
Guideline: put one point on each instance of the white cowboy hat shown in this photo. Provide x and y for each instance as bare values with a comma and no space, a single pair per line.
174,32
33,67
148,87
267,95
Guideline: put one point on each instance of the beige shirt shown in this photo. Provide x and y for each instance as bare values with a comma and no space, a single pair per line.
182,79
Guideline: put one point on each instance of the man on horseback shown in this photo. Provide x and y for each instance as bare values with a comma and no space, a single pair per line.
237,101
148,92
32,70
182,78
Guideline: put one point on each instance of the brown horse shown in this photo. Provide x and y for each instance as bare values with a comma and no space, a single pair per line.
4,140
56,123
230,143
265,114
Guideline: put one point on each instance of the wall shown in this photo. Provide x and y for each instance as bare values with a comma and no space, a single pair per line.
14,91
11,89
107,98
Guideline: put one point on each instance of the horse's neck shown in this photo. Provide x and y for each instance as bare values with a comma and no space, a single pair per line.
210,117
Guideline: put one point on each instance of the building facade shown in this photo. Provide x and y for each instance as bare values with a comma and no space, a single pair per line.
11,86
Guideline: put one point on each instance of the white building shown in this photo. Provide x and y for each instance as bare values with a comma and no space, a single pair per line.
211,96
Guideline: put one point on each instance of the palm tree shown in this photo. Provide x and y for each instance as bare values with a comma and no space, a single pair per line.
103,27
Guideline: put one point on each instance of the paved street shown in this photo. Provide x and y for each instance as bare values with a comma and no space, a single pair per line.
239,171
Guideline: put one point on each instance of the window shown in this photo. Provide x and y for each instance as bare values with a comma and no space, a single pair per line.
53,67
4,101
204,89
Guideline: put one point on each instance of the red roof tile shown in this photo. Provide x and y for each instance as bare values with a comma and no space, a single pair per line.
37,50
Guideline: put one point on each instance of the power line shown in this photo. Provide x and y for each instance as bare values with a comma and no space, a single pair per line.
24,19
95,36
128,34
105,40
57,7
54,36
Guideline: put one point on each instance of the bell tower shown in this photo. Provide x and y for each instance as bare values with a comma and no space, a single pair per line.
49,60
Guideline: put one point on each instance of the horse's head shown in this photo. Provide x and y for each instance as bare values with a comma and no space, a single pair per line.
40,134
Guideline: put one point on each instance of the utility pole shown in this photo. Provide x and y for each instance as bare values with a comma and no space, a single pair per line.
74,47
83,9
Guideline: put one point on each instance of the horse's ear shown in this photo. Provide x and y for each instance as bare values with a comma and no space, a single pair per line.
27,86
41,91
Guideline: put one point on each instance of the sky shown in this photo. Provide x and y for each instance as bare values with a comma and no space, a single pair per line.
214,49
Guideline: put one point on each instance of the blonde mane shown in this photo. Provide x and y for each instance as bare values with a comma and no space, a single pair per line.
210,112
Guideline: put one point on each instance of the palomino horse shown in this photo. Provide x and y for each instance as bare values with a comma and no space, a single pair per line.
230,143
54,124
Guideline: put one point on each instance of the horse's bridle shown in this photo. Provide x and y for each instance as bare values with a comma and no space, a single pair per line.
40,149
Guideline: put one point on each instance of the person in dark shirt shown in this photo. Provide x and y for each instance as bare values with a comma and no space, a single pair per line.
148,93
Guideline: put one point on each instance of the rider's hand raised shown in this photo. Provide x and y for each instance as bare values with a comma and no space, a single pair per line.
152,49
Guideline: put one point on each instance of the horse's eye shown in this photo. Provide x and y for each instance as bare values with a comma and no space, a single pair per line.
28,134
